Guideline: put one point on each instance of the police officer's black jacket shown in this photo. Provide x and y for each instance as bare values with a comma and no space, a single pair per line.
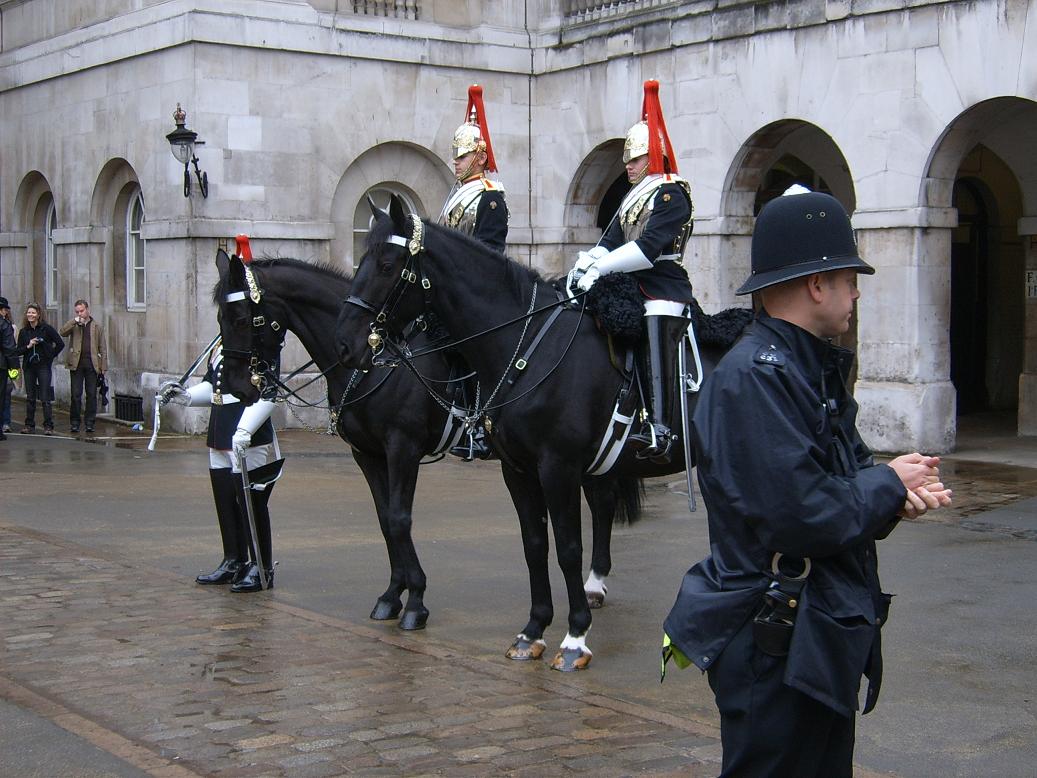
782,468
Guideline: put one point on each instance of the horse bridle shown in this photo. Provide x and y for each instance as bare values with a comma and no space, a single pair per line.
412,271
262,369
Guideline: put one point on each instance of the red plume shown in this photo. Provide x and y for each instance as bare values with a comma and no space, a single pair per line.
652,112
243,250
475,102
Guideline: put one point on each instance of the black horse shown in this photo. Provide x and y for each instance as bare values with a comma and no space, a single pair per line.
546,420
387,417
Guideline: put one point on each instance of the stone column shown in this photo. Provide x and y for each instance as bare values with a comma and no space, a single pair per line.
907,400
1028,378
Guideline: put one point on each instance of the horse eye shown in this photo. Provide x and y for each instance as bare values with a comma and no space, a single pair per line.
385,268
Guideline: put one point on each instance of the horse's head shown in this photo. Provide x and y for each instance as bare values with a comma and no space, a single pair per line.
384,298
252,336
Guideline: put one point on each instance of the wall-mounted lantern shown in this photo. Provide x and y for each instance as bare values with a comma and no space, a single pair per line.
182,142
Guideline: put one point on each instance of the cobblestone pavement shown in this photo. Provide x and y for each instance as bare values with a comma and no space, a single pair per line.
103,634
180,681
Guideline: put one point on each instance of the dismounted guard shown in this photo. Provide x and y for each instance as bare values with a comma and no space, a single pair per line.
476,204
785,614
229,421
647,238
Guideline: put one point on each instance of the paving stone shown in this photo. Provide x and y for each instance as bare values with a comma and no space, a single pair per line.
244,687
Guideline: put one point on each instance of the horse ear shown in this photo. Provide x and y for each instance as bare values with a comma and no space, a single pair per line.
398,213
375,210
222,263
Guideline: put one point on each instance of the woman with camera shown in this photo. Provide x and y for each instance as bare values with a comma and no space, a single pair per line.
39,343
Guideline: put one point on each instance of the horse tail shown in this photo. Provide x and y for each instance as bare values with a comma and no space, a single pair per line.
629,492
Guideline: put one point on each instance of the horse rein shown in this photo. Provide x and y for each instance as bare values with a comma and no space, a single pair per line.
412,270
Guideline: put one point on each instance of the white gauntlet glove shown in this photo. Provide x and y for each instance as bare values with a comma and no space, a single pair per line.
172,392
628,258
252,418
584,260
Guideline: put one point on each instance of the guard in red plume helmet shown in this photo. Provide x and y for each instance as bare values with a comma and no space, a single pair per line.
476,204
476,207
646,238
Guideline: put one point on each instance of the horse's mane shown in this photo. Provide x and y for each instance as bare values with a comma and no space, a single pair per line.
325,269
383,228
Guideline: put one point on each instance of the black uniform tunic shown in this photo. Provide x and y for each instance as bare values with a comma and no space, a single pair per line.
670,212
782,468
223,418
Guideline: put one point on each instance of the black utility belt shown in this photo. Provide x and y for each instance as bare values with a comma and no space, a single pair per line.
776,616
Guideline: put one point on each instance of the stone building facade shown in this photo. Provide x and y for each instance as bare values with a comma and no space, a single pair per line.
918,115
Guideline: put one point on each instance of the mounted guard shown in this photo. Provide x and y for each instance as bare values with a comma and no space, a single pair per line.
476,204
647,238
476,207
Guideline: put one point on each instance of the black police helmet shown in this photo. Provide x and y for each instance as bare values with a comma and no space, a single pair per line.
800,234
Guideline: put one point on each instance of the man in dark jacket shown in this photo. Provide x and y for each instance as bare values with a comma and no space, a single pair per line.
784,615
8,350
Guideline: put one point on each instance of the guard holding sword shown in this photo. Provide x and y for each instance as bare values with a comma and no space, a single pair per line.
244,463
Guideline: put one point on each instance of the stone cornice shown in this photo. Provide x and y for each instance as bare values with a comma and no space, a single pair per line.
287,26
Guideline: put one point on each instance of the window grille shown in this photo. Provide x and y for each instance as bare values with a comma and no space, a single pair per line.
136,255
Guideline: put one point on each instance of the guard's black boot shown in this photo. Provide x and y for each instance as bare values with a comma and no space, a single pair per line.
659,371
473,446
250,581
235,550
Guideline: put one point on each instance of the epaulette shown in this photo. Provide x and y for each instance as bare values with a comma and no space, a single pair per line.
490,185
769,355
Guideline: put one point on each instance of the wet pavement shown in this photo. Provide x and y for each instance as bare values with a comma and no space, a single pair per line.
112,662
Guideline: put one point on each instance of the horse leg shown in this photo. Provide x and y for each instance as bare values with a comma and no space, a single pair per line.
601,498
403,477
561,479
532,513
376,471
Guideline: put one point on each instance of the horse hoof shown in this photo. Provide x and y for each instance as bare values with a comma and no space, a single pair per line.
525,650
569,660
414,619
383,611
595,600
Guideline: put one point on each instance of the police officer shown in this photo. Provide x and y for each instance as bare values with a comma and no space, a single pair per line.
647,238
476,205
784,615
247,428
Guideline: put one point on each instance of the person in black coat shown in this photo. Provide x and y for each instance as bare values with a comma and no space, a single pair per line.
8,350
784,615
39,344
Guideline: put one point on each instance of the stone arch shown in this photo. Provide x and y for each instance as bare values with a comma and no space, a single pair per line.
791,147
32,202
406,166
983,166
116,185
592,192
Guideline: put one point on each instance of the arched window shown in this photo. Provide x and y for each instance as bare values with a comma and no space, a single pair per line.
363,219
50,261
136,255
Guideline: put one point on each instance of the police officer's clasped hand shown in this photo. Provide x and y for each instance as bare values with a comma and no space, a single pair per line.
241,441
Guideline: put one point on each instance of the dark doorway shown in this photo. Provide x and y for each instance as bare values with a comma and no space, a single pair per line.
970,254
611,201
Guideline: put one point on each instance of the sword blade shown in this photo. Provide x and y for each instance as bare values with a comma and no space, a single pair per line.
250,512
